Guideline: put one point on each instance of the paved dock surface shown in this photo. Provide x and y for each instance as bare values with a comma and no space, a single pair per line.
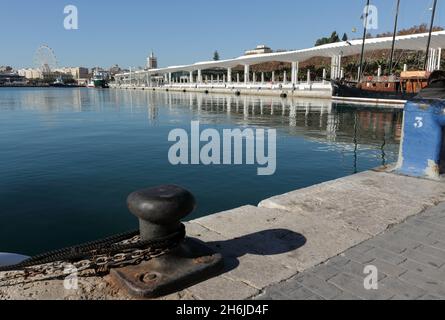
410,259
279,248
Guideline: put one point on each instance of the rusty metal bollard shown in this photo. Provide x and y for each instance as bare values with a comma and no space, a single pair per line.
160,211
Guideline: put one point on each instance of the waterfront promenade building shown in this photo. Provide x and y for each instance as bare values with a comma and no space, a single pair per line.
239,73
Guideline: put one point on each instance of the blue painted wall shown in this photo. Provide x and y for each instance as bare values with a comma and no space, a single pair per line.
422,139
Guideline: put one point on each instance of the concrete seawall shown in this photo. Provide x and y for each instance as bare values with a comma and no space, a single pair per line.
282,237
286,92
307,93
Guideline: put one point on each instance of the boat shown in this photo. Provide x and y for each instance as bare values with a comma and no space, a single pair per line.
98,81
388,89
8,259
382,89
59,83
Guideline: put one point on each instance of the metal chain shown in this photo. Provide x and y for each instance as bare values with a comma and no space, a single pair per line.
133,252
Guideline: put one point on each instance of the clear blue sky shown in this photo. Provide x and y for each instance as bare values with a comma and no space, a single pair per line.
182,31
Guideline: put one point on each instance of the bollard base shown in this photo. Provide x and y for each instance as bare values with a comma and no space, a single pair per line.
187,265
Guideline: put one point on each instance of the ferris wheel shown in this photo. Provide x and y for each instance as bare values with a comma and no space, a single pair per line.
45,59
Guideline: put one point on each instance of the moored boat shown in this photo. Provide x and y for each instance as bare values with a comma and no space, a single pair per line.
59,83
98,81
388,89
382,89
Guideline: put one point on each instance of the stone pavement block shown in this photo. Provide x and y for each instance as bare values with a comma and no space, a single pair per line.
346,296
430,297
432,286
399,298
271,295
338,261
297,240
434,214
432,251
289,290
424,258
401,288
384,255
439,245
420,230
241,263
222,288
318,286
315,298
183,295
258,271
440,236
391,242
414,236
355,286
437,211
363,247
425,224
296,291
424,270
359,257
325,271
389,269
357,269
436,220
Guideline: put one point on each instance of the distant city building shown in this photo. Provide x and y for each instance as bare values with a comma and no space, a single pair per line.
115,70
261,49
152,61
77,73
11,78
31,73
5,69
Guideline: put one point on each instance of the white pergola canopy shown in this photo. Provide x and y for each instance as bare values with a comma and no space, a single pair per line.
348,48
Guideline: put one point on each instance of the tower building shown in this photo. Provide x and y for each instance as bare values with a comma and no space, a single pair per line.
152,61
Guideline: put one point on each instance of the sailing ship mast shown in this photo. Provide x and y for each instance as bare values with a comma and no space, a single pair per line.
394,38
365,31
429,38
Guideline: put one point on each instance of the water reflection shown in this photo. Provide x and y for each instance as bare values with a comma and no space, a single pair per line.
336,126
78,153
317,119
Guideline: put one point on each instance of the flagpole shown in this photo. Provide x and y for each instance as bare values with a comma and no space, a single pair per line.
429,37
365,31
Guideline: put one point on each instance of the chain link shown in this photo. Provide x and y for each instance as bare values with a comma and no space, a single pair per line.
94,265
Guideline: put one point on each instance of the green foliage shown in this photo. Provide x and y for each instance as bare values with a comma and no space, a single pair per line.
216,56
332,39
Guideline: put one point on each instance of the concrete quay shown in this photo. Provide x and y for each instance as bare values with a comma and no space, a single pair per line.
291,246
318,91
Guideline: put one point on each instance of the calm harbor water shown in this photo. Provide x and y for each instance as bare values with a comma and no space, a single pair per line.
70,157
